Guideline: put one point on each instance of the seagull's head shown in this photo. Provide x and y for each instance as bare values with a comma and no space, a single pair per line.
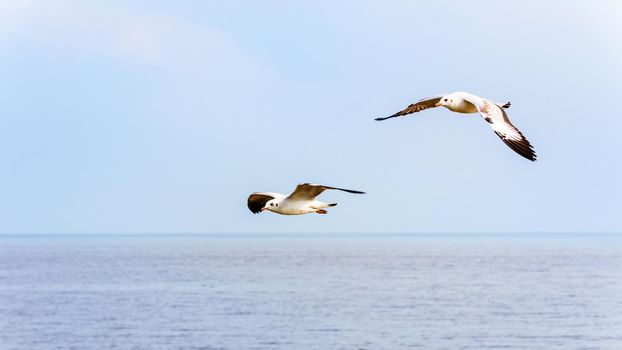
271,205
445,101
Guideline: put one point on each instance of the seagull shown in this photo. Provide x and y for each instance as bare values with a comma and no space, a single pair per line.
493,113
301,201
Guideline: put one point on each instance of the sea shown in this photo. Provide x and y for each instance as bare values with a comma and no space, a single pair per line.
306,291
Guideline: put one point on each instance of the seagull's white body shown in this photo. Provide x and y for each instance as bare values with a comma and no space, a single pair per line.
287,206
282,204
459,103
492,112
301,201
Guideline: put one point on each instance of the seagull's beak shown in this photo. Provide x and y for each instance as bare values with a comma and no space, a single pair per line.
438,104
263,209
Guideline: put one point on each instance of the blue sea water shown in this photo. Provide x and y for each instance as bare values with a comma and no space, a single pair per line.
311,292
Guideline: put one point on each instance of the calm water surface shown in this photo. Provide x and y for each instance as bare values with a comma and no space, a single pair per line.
305,292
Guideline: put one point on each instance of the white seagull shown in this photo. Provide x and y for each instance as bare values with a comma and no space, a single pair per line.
493,113
301,201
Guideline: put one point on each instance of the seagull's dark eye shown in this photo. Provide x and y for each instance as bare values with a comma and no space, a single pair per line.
271,204
277,204
445,100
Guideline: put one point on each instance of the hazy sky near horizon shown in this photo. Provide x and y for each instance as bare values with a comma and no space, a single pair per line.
159,116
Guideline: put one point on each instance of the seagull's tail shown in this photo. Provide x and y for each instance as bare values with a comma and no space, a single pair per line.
507,105
332,204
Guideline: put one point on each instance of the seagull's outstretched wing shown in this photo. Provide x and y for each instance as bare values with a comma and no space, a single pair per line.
501,125
308,191
511,136
258,200
416,107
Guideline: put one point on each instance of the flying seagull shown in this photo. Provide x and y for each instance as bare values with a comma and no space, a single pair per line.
493,113
301,201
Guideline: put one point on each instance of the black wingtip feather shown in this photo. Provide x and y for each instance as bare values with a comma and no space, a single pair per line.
344,189
523,147
353,191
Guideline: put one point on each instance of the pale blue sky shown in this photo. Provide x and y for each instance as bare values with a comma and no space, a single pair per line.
160,116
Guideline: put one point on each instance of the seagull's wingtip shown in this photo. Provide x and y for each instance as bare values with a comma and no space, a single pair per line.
530,157
385,118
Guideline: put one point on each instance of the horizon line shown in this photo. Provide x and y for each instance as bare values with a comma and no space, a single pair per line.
305,234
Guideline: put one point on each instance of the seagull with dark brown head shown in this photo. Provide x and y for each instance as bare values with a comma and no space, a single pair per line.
493,113
301,201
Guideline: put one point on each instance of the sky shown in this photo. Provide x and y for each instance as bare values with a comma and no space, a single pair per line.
162,117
